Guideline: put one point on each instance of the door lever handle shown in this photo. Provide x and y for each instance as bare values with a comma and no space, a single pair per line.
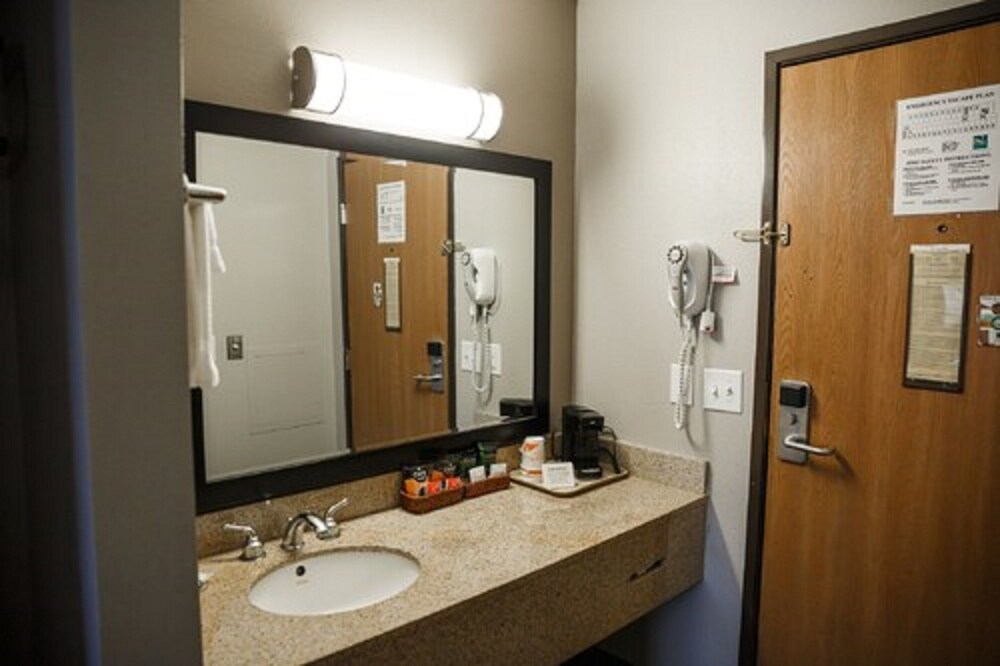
420,379
800,443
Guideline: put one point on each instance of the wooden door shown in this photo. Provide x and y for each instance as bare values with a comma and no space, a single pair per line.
387,405
888,552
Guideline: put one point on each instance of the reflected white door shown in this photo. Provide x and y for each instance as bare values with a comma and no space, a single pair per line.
281,403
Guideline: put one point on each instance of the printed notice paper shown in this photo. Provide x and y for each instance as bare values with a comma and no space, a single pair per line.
937,311
946,153
391,202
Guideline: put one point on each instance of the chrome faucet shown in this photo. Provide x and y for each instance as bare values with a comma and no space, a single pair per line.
253,549
331,517
292,541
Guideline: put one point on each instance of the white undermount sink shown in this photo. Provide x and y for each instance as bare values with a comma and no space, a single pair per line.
335,582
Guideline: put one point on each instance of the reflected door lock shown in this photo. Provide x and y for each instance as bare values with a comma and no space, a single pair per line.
434,379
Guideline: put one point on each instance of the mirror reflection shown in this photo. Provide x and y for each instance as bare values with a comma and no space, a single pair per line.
367,302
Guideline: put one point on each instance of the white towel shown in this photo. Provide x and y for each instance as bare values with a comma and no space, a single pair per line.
202,254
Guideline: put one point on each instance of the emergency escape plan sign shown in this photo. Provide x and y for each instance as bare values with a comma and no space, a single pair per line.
946,153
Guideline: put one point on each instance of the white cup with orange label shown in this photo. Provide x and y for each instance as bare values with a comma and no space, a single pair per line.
533,455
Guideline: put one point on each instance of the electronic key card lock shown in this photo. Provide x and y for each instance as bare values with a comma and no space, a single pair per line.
434,380
793,423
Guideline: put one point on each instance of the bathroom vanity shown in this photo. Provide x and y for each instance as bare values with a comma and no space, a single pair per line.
301,419
513,576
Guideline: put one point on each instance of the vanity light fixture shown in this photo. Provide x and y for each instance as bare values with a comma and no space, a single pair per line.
326,83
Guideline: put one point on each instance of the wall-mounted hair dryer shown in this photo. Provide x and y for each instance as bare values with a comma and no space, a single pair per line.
689,272
480,275
689,267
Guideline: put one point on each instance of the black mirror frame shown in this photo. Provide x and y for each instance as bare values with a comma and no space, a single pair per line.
229,121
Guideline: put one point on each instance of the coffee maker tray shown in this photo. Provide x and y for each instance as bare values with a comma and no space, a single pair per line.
582,485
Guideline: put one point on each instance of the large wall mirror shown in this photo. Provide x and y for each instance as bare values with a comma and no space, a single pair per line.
382,296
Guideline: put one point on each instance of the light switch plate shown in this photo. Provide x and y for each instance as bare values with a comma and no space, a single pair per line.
496,359
468,355
724,274
675,384
234,347
723,390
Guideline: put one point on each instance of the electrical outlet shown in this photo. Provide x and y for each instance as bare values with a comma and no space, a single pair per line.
675,384
723,390
496,360
468,355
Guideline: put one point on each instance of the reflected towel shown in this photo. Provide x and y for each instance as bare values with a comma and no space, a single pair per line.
202,255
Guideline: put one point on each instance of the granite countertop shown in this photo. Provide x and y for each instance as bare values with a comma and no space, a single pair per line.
464,551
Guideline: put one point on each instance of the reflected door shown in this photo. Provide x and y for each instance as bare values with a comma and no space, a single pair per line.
278,343
887,552
397,218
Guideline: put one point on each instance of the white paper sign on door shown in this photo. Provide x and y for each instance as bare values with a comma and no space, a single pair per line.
946,153
391,202
936,322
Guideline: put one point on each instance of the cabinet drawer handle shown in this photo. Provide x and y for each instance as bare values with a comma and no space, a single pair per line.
657,564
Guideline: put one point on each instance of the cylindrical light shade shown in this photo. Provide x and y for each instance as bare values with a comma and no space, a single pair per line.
326,83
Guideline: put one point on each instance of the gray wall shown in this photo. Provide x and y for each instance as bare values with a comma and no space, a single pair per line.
236,53
102,395
669,125
129,268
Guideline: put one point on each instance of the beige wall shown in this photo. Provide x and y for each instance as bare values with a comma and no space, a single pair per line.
236,53
669,137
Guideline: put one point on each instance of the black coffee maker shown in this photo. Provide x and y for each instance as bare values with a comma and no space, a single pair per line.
581,430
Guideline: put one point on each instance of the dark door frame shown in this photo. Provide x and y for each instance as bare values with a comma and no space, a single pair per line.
774,62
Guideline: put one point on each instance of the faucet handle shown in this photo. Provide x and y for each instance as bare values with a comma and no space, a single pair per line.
253,549
331,522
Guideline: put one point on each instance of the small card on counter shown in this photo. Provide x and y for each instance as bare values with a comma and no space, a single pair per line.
558,475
